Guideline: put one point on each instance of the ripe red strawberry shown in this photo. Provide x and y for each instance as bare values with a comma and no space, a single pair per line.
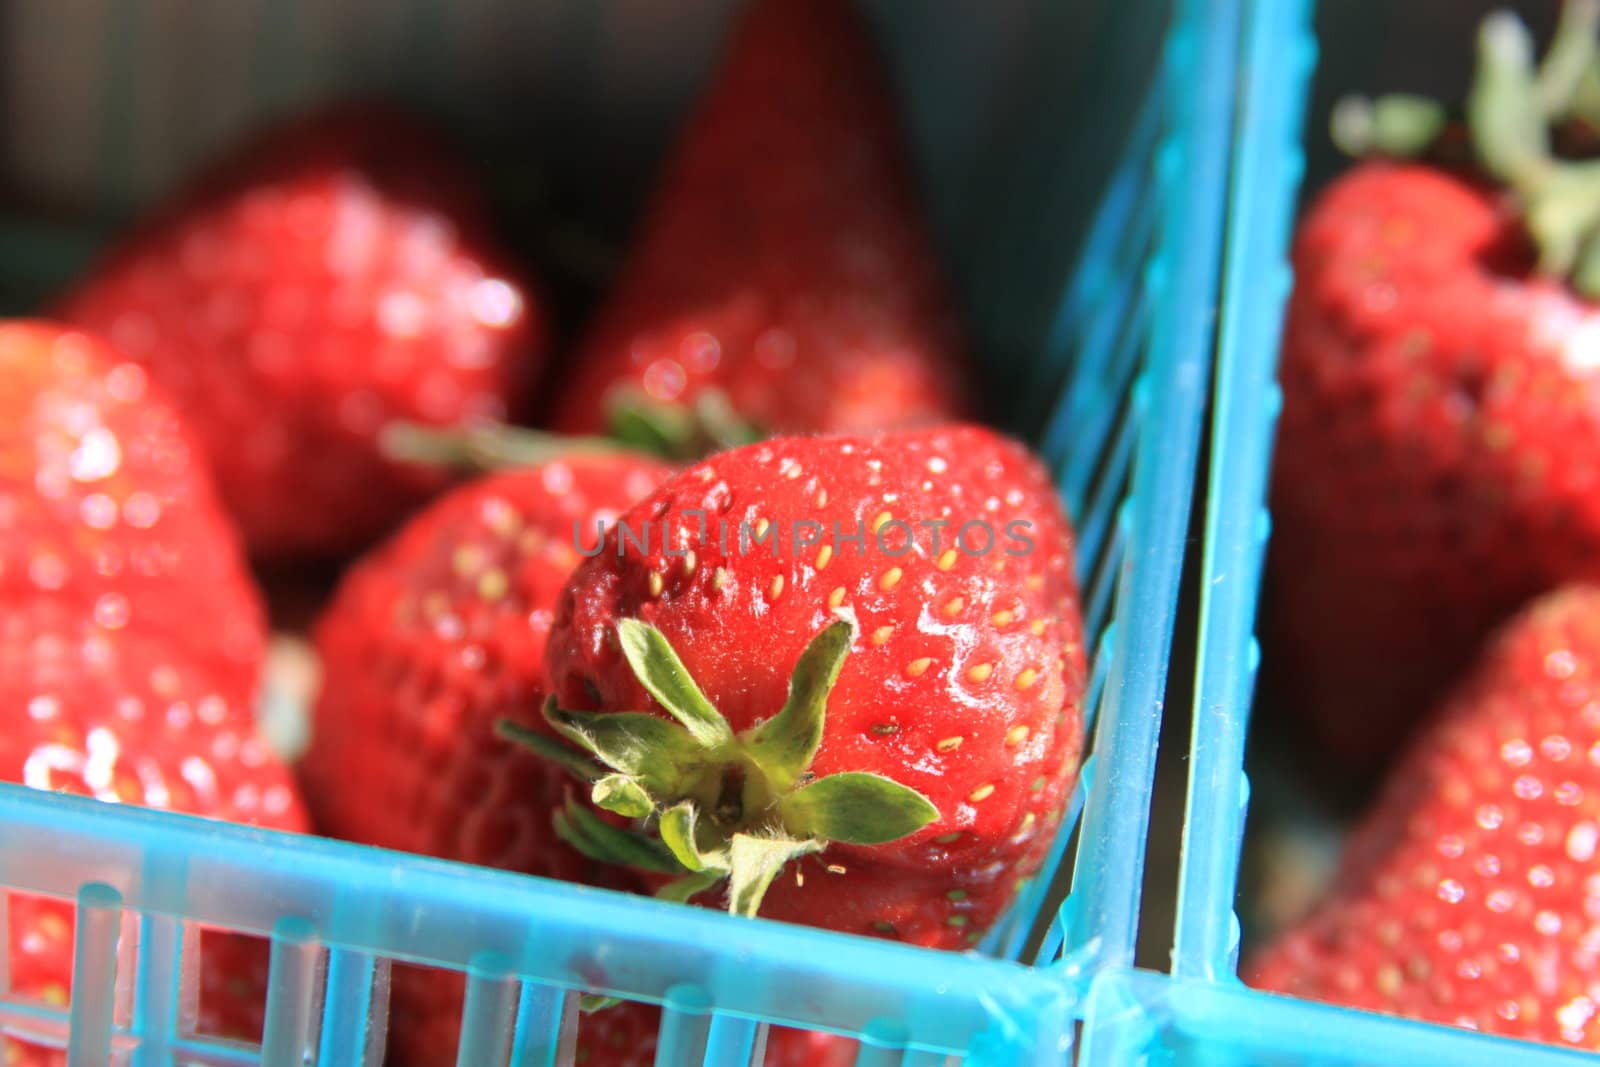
783,278
429,641
1469,894
625,1035
106,502
435,636
889,733
1439,451
315,284
121,714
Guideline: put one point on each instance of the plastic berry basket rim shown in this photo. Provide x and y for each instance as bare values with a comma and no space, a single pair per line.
161,871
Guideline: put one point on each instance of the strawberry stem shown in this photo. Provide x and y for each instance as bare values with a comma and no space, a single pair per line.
488,447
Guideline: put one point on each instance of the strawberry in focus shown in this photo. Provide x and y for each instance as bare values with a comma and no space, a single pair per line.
106,502
876,737
1468,895
430,639
1438,458
783,282
330,276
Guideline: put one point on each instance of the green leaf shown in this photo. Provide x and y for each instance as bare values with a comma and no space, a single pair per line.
785,744
1399,125
719,422
549,748
856,808
1570,57
593,1002
665,430
680,890
755,863
599,840
677,830
636,743
1504,111
660,671
1562,214
623,795
1587,277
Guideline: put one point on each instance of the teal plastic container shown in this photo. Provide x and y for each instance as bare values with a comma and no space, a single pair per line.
1077,161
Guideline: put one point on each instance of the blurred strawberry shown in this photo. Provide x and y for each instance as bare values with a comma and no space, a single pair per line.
783,281
431,639
120,714
1469,894
105,502
1438,457
315,284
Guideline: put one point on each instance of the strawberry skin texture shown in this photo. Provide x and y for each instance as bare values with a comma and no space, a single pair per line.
966,677
434,637
106,502
431,639
1438,457
783,262
120,715
320,281
1468,895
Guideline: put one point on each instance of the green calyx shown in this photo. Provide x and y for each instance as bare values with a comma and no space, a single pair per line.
677,431
709,805
1511,110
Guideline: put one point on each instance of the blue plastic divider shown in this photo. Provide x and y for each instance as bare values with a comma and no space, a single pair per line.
1268,164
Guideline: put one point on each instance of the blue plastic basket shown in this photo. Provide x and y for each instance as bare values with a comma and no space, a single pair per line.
1087,238
1201,1012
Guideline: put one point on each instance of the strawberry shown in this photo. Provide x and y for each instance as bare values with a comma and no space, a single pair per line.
783,281
623,1035
105,501
433,637
328,277
120,713
429,641
778,662
1439,451
1468,894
